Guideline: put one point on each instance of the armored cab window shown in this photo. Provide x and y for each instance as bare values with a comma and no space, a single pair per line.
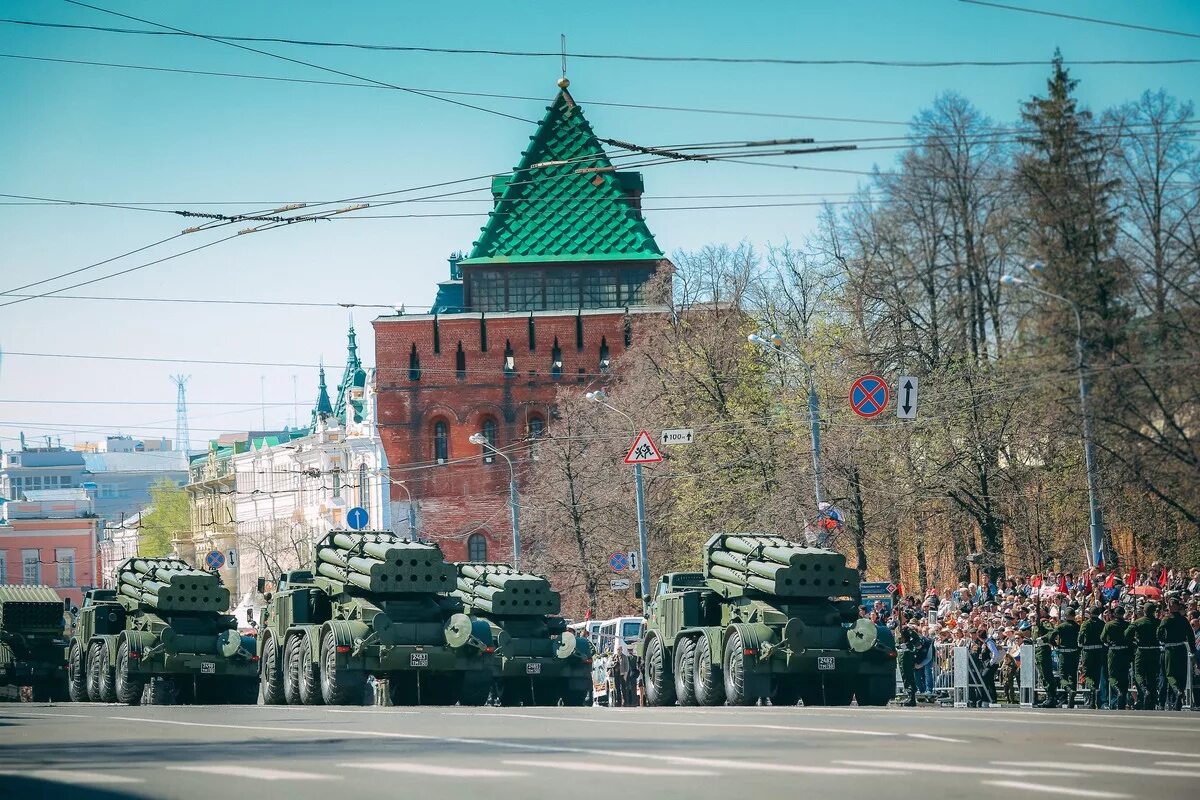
477,547
441,442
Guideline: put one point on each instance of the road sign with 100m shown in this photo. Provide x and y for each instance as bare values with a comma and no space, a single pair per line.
906,397
678,436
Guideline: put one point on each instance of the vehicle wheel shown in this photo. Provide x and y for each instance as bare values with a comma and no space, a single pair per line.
685,672
270,675
709,685
291,670
787,692
735,672
129,684
160,691
660,685
875,690
76,674
474,687
339,687
108,683
93,671
310,679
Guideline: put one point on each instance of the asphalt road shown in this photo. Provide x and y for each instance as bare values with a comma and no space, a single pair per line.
67,750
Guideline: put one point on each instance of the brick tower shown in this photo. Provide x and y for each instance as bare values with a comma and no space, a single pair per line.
549,296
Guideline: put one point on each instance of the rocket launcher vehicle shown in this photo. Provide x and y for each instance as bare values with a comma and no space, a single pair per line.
383,563
171,585
499,590
778,567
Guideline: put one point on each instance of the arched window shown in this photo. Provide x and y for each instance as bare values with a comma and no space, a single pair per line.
489,433
477,547
441,441
414,365
537,426
460,363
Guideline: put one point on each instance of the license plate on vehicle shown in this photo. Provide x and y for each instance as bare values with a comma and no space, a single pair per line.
533,669
418,660
826,663
208,668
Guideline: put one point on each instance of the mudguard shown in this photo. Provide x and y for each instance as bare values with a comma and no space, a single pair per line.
139,641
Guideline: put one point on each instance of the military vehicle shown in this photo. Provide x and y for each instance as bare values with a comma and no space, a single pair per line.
768,619
162,633
538,661
33,650
377,606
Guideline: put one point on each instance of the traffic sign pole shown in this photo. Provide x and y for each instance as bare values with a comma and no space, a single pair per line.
642,548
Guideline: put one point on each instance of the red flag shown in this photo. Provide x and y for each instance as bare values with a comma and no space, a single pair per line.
1110,581
1132,579
1036,581
1087,582
1062,584
588,615
900,586
1162,578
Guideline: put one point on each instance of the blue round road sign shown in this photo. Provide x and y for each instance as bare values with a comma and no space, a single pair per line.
619,562
869,396
214,559
357,518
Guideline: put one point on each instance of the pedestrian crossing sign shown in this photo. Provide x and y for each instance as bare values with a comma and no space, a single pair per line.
643,451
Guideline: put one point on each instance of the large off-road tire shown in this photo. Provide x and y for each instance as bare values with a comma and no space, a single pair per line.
709,682
875,690
340,686
76,674
92,666
660,684
108,682
291,670
685,672
270,675
735,672
129,684
310,678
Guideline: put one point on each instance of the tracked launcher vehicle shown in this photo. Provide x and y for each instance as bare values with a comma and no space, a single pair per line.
377,606
538,661
32,644
768,619
161,636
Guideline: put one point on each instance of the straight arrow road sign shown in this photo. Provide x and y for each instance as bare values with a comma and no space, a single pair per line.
906,397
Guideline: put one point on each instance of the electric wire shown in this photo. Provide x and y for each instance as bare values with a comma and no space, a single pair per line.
1077,18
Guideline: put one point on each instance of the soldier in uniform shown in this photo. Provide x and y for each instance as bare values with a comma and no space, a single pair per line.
1092,652
1066,638
1042,656
1143,636
1176,636
906,651
1115,637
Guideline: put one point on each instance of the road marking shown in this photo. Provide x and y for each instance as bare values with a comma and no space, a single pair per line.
73,776
1131,750
1119,768
255,773
434,769
758,725
1178,763
933,738
962,769
1043,789
625,769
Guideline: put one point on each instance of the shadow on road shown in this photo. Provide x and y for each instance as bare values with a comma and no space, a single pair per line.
16,786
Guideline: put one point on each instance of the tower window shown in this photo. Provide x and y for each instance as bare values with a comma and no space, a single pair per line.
489,433
510,361
414,365
441,442
482,333
477,547
578,331
556,362
460,363
437,336
605,361
628,331
532,337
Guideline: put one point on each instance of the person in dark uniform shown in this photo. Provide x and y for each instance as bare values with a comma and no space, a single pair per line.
1116,638
1066,638
906,651
1176,636
1091,650
1042,656
1143,636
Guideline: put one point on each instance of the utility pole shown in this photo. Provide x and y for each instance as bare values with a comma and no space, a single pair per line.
513,505
774,343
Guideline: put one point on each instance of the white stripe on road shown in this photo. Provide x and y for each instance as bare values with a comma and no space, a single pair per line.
1178,763
1131,750
1118,768
254,773
73,776
615,721
963,769
933,738
1043,789
624,769
433,769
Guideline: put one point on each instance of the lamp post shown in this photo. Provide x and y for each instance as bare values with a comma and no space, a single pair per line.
774,343
412,509
482,441
600,397
1089,453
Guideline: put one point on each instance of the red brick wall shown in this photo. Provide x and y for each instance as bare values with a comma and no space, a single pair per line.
467,494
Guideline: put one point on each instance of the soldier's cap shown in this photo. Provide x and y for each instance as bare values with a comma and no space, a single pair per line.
1119,611
1151,608
1068,613
1095,611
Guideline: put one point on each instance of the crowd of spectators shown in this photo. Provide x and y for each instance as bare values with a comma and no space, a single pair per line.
995,619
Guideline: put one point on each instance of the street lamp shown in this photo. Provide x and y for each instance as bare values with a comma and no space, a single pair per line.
412,509
600,397
774,343
1089,454
482,441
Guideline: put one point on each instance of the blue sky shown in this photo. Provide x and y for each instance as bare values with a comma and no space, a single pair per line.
101,134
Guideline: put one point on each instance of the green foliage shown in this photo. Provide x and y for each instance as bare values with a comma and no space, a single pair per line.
169,518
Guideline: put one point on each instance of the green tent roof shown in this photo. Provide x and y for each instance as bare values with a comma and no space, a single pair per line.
554,213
